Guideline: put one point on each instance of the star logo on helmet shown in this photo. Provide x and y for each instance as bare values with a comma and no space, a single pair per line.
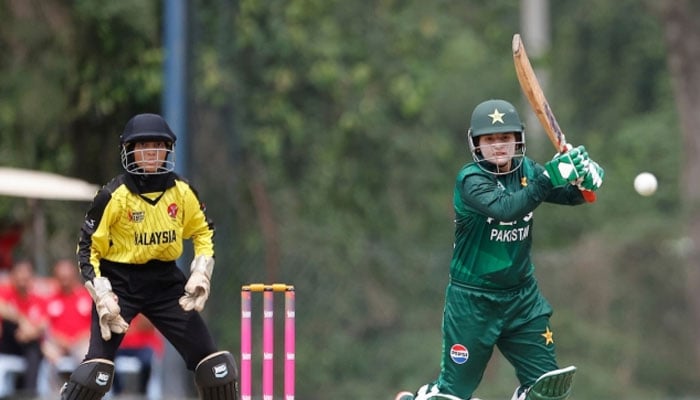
496,116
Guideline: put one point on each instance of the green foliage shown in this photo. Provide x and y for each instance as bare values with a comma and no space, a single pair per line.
612,60
325,138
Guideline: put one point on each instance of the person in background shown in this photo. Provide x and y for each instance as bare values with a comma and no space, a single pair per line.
23,323
69,310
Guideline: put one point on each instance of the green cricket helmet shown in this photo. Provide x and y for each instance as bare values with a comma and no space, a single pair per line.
147,128
495,116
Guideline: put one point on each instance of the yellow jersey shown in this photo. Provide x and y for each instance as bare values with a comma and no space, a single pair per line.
128,225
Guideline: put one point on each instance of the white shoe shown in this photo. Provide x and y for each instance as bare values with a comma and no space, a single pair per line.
429,391
404,396
515,394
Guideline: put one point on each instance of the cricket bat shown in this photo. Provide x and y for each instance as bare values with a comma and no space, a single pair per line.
533,91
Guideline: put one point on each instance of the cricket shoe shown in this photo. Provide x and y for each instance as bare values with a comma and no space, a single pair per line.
410,396
428,392
404,396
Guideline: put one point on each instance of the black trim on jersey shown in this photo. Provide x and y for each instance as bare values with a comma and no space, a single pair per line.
93,217
139,184
203,207
149,183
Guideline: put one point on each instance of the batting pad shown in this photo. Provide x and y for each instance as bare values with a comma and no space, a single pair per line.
554,385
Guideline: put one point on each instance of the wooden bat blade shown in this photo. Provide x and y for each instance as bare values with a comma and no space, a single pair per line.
535,96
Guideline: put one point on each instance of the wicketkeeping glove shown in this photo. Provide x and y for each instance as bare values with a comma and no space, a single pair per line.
107,306
197,287
593,178
567,167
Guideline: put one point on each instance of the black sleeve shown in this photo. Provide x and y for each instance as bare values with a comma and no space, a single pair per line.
90,223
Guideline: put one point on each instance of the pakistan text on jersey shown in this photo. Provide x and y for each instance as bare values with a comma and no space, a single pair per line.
149,238
510,235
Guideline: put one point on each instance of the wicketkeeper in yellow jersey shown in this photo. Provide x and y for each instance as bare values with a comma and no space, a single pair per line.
132,234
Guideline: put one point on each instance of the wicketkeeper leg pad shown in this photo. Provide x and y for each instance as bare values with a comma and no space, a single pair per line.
216,377
91,380
554,385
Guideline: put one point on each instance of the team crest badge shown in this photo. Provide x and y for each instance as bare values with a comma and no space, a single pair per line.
172,210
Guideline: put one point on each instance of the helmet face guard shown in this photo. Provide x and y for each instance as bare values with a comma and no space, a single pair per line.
147,128
129,155
491,117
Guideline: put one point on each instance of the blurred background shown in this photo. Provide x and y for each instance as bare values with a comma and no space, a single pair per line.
324,137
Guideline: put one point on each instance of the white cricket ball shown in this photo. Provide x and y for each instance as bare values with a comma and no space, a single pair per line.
645,184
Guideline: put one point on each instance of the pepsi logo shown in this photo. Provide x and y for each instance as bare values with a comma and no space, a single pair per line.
459,353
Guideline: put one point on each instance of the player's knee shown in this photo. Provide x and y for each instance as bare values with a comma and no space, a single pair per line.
91,380
216,377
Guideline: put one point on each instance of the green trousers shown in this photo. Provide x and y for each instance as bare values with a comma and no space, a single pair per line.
476,320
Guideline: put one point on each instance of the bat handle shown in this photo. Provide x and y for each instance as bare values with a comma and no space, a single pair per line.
588,195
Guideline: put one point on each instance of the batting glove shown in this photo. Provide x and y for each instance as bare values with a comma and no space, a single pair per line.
567,167
197,287
107,305
593,178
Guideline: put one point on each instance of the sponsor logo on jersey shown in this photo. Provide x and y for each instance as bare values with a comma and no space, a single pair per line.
136,216
172,210
149,238
459,353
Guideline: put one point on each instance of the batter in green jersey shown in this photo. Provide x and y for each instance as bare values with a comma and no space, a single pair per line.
492,299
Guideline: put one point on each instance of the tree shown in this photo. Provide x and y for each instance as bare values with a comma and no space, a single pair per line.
682,35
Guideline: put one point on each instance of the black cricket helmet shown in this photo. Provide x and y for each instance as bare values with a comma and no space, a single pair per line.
147,128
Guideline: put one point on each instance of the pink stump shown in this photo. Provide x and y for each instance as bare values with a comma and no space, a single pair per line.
268,344
246,339
289,344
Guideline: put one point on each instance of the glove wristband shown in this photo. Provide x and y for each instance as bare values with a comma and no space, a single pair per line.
203,264
101,286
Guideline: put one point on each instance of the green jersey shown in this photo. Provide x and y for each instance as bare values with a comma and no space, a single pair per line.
493,223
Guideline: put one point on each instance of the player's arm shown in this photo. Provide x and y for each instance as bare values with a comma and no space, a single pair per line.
8,312
94,235
483,194
198,227
30,329
94,241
